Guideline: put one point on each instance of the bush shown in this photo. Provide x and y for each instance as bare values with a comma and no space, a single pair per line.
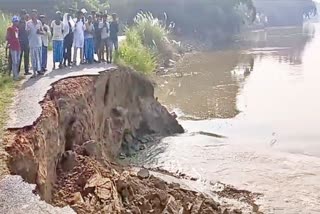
153,34
134,54
4,23
199,18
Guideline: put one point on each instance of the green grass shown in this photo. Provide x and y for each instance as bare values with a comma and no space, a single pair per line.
4,23
152,33
7,89
146,44
7,85
134,54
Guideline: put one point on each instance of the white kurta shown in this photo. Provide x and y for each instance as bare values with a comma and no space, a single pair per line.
78,40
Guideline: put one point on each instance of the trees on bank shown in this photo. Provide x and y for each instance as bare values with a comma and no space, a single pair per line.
50,6
203,18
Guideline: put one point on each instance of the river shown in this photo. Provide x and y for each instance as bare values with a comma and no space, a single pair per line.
262,96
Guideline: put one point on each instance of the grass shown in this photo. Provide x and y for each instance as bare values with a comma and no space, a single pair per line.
146,44
4,23
7,85
134,54
7,88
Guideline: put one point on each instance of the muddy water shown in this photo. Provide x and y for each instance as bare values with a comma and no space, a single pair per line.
263,96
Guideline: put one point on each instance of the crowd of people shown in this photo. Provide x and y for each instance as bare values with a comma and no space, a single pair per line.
93,35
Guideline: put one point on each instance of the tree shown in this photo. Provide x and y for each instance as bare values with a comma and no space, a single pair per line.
50,6
98,5
204,18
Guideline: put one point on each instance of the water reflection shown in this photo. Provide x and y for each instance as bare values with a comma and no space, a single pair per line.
265,99
206,85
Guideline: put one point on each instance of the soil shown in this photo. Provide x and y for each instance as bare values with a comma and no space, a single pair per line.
86,123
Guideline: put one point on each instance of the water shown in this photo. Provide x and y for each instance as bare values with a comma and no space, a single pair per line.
264,97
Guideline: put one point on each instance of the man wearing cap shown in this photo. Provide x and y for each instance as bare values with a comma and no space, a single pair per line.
14,46
34,29
24,42
45,42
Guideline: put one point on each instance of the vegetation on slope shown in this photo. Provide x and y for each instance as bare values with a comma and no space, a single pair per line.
7,85
146,44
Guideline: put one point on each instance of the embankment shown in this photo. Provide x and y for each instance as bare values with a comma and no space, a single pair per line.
86,122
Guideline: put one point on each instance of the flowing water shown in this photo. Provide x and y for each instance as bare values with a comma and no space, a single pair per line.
263,98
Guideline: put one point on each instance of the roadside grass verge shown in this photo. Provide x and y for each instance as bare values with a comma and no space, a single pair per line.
7,89
7,85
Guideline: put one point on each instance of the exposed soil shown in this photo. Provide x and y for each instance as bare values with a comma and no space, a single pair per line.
84,126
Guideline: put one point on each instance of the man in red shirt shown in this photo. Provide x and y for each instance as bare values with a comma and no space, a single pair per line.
14,46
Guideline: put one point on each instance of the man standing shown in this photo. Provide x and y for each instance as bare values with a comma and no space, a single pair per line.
78,41
57,39
114,30
97,34
105,32
34,29
24,42
14,46
68,38
45,43
88,41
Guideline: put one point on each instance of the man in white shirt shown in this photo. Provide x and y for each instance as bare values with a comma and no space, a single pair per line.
34,30
105,33
45,42
78,34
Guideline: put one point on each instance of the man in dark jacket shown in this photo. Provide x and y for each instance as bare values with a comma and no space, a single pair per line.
24,42
114,30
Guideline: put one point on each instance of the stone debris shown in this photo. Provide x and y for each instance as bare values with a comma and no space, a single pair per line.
143,174
92,187
67,153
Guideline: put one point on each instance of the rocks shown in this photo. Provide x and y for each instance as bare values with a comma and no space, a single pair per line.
90,148
102,186
76,198
68,161
122,156
99,108
143,174
142,147
160,184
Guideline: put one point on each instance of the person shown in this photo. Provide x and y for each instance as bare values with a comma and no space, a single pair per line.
78,41
45,42
24,42
57,29
84,20
68,39
104,28
14,46
97,34
114,30
88,41
34,29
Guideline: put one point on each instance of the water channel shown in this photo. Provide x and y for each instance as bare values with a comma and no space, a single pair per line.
262,96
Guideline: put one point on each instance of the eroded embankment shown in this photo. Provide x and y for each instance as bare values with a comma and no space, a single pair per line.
86,122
